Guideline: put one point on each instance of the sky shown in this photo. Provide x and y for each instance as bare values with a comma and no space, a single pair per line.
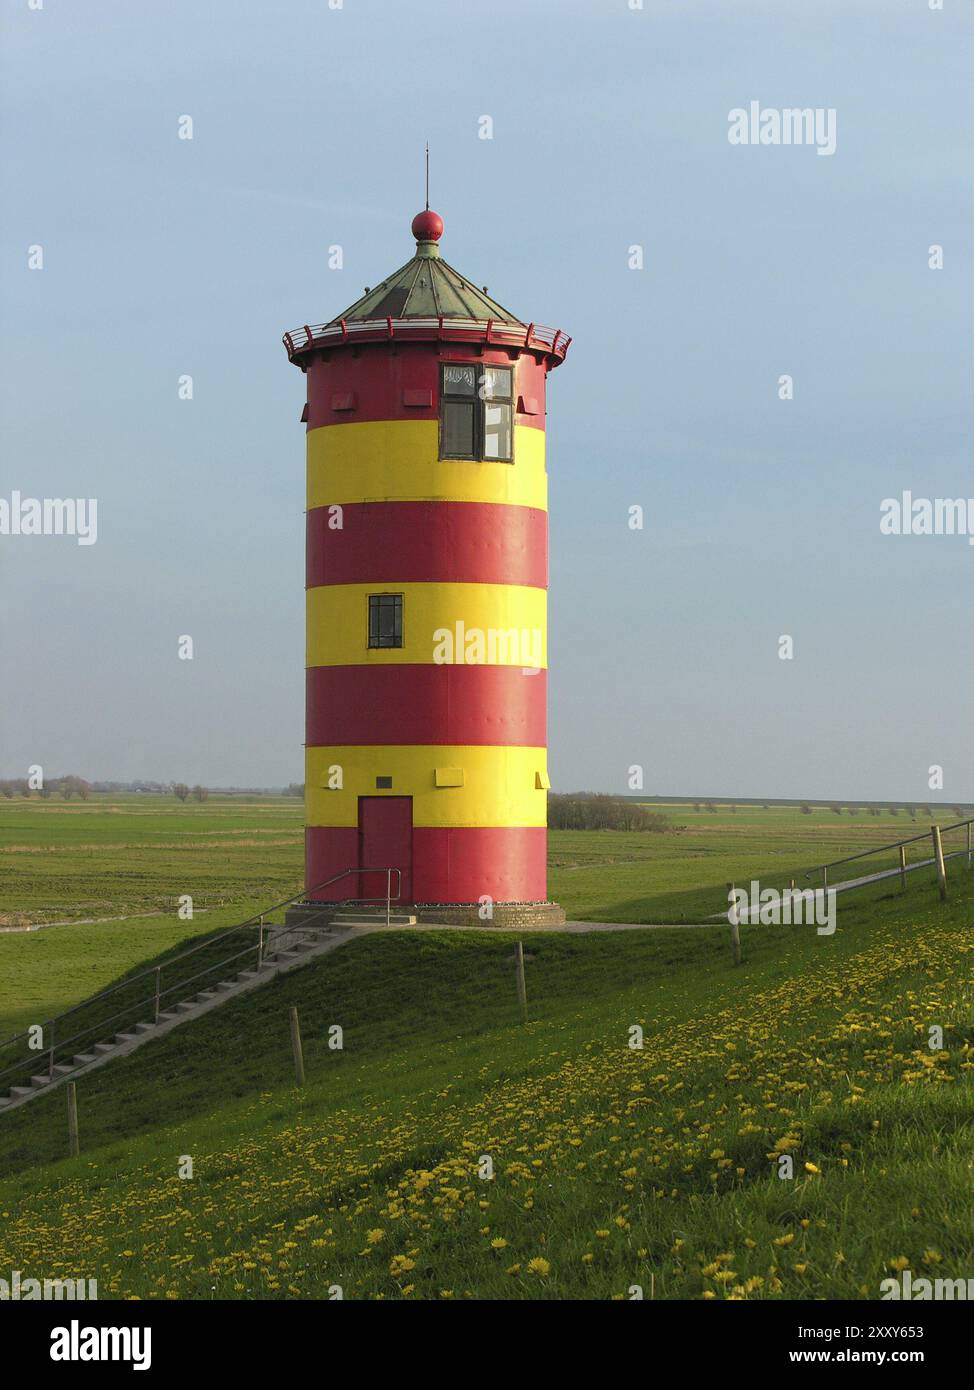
165,257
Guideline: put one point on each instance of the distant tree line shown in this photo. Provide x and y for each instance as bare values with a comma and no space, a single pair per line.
599,811
69,786
65,787
891,809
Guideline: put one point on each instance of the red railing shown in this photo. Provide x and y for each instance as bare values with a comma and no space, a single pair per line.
533,335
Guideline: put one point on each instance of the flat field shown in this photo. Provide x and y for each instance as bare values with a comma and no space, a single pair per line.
133,857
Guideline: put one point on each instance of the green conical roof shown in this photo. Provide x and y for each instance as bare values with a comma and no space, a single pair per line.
426,287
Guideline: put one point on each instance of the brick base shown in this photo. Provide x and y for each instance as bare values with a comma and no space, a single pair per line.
526,915
504,915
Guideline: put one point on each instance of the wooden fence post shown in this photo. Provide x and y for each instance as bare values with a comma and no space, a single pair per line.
938,854
73,1148
296,1047
903,867
522,988
735,928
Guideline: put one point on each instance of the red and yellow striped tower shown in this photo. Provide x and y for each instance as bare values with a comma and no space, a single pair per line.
427,571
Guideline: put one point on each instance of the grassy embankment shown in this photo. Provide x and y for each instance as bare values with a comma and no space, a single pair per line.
127,857
612,1166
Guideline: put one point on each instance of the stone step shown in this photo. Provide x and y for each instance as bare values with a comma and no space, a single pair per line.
376,919
293,953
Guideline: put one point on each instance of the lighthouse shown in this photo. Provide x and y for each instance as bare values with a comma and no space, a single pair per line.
426,594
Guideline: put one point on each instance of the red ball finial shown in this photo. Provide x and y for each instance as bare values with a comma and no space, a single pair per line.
427,226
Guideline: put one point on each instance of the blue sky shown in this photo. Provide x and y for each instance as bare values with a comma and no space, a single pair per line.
165,256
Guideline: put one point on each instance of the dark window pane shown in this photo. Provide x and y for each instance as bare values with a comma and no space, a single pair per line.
459,380
457,432
385,620
497,431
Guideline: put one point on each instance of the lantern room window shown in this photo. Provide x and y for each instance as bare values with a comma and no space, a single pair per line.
385,620
476,412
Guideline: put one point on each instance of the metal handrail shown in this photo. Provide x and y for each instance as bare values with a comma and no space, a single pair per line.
892,844
257,919
895,844
553,340
155,999
130,979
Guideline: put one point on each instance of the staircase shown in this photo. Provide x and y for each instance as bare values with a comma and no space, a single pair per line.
350,917
287,952
273,949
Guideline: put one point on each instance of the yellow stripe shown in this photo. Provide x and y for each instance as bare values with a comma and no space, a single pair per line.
499,784
396,461
513,615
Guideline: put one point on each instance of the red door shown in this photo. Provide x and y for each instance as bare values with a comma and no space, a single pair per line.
385,841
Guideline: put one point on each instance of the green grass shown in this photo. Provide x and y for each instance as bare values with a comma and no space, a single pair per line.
118,856
46,972
128,856
612,1166
191,959
131,855
682,876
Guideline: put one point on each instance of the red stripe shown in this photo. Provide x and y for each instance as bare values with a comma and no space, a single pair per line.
328,852
451,865
376,382
403,704
431,542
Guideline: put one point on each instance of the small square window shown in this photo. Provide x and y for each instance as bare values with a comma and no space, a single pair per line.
383,784
385,620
